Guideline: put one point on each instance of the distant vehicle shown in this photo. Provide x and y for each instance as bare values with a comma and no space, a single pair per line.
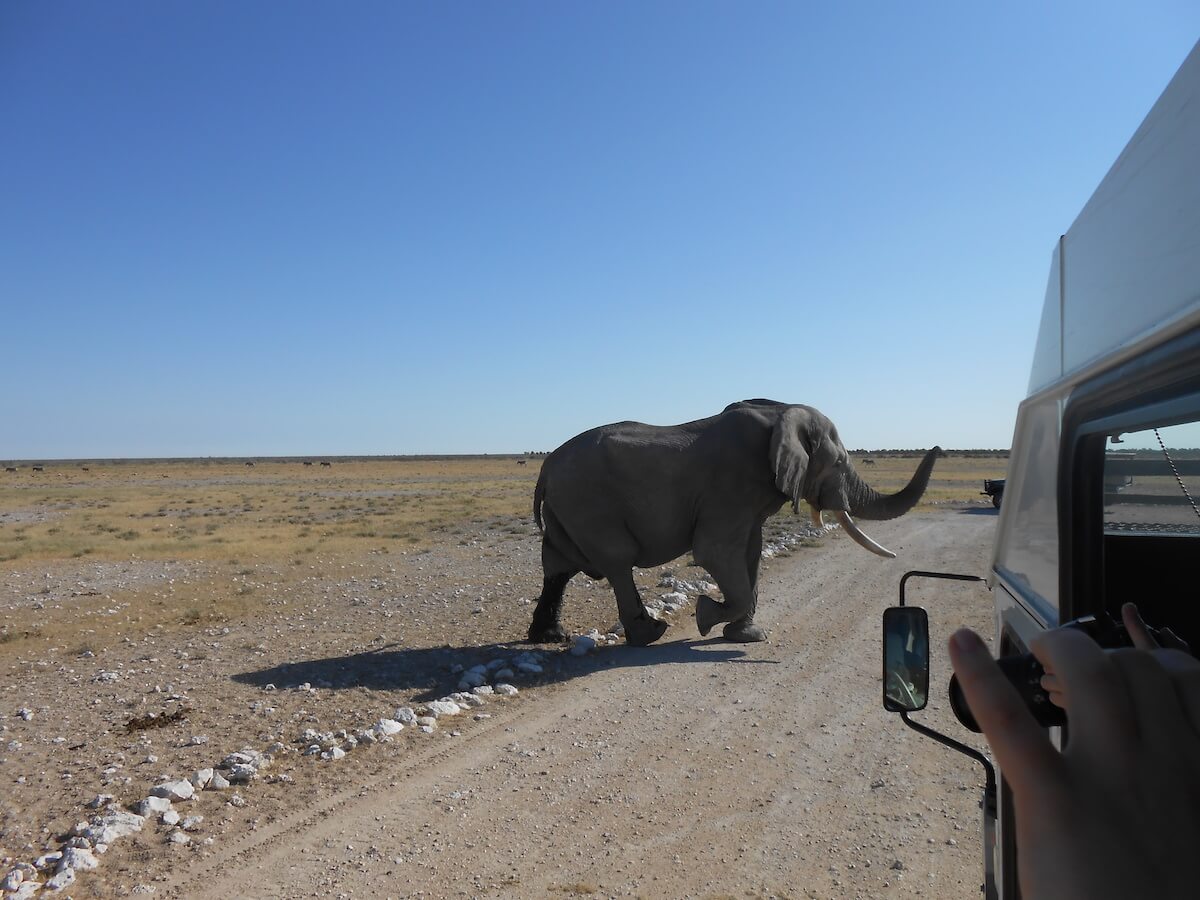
994,488
1117,362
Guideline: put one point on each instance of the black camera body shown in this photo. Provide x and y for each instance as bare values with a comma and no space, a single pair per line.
1025,673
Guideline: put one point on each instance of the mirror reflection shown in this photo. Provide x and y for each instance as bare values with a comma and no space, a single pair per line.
905,658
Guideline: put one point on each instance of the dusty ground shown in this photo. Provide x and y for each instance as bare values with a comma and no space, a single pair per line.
694,768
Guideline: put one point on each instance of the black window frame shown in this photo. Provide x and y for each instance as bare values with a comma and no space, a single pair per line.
1156,388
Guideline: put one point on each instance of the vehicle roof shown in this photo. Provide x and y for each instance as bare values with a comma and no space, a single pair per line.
1126,275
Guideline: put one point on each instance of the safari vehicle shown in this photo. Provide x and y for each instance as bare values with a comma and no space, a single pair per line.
994,488
1086,526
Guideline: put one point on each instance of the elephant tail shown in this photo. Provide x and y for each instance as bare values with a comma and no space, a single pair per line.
539,494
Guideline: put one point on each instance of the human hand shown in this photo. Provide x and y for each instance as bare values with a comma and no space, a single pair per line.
1117,813
1141,636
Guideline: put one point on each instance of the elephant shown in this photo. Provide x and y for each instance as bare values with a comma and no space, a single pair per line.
634,495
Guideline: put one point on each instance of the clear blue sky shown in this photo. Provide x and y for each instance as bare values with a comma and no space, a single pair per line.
291,228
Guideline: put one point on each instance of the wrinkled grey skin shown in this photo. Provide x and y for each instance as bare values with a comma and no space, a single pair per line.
629,494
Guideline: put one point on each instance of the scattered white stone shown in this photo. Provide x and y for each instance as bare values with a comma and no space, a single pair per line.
61,880
201,778
333,753
191,822
244,757
174,790
468,700
388,727
78,858
237,800
100,800
427,724
12,880
218,783
506,690
170,817
46,860
197,740
439,708
179,837
406,715
114,824
582,645
483,690
240,773
505,673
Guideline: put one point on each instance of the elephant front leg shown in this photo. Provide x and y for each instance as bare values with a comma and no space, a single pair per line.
641,628
741,601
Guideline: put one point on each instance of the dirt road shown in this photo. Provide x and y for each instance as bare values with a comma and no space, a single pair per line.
695,768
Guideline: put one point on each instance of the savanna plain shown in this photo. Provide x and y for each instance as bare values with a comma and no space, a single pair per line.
157,616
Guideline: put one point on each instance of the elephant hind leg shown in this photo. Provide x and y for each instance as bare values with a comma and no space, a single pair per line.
546,626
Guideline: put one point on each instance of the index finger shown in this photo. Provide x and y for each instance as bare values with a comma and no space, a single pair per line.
1022,749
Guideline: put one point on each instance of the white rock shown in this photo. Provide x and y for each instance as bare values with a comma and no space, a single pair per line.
191,822
25,891
79,859
153,804
427,724
100,800
241,773
174,790
483,690
179,837
334,753
504,673
63,879
114,824
46,860
244,757
388,727
581,645
12,880
170,817
506,690
219,782
407,715
439,708
200,778
495,664
468,700
472,679
237,800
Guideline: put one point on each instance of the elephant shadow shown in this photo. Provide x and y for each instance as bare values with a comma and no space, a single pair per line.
433,672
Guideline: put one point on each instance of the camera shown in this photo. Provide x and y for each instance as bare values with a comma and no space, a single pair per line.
1025,673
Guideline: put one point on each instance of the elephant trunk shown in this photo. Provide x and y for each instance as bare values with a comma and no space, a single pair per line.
867,503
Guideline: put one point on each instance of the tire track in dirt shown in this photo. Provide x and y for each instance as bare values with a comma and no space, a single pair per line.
694,768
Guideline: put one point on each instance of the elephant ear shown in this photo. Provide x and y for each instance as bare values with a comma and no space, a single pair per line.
789,458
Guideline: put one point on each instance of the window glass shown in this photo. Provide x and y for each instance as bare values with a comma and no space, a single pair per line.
1152,481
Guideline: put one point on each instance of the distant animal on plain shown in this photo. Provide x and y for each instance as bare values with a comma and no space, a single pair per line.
520,462
10,468
326,463
308,462
629,494
39,469
250,464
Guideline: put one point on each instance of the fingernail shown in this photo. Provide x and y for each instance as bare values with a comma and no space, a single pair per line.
966,640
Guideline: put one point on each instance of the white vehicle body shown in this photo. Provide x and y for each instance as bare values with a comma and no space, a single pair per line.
1084,525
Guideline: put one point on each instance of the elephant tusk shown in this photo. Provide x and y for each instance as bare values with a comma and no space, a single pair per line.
861,539
816,518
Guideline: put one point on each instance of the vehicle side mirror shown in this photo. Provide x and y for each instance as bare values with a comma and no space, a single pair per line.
905,658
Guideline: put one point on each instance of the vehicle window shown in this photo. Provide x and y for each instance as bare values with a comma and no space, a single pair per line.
1152,481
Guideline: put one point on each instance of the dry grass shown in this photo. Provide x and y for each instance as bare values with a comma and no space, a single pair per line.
249,533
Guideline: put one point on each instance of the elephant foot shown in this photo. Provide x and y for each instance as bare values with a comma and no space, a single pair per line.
709,613
547,634
744,632
644,630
